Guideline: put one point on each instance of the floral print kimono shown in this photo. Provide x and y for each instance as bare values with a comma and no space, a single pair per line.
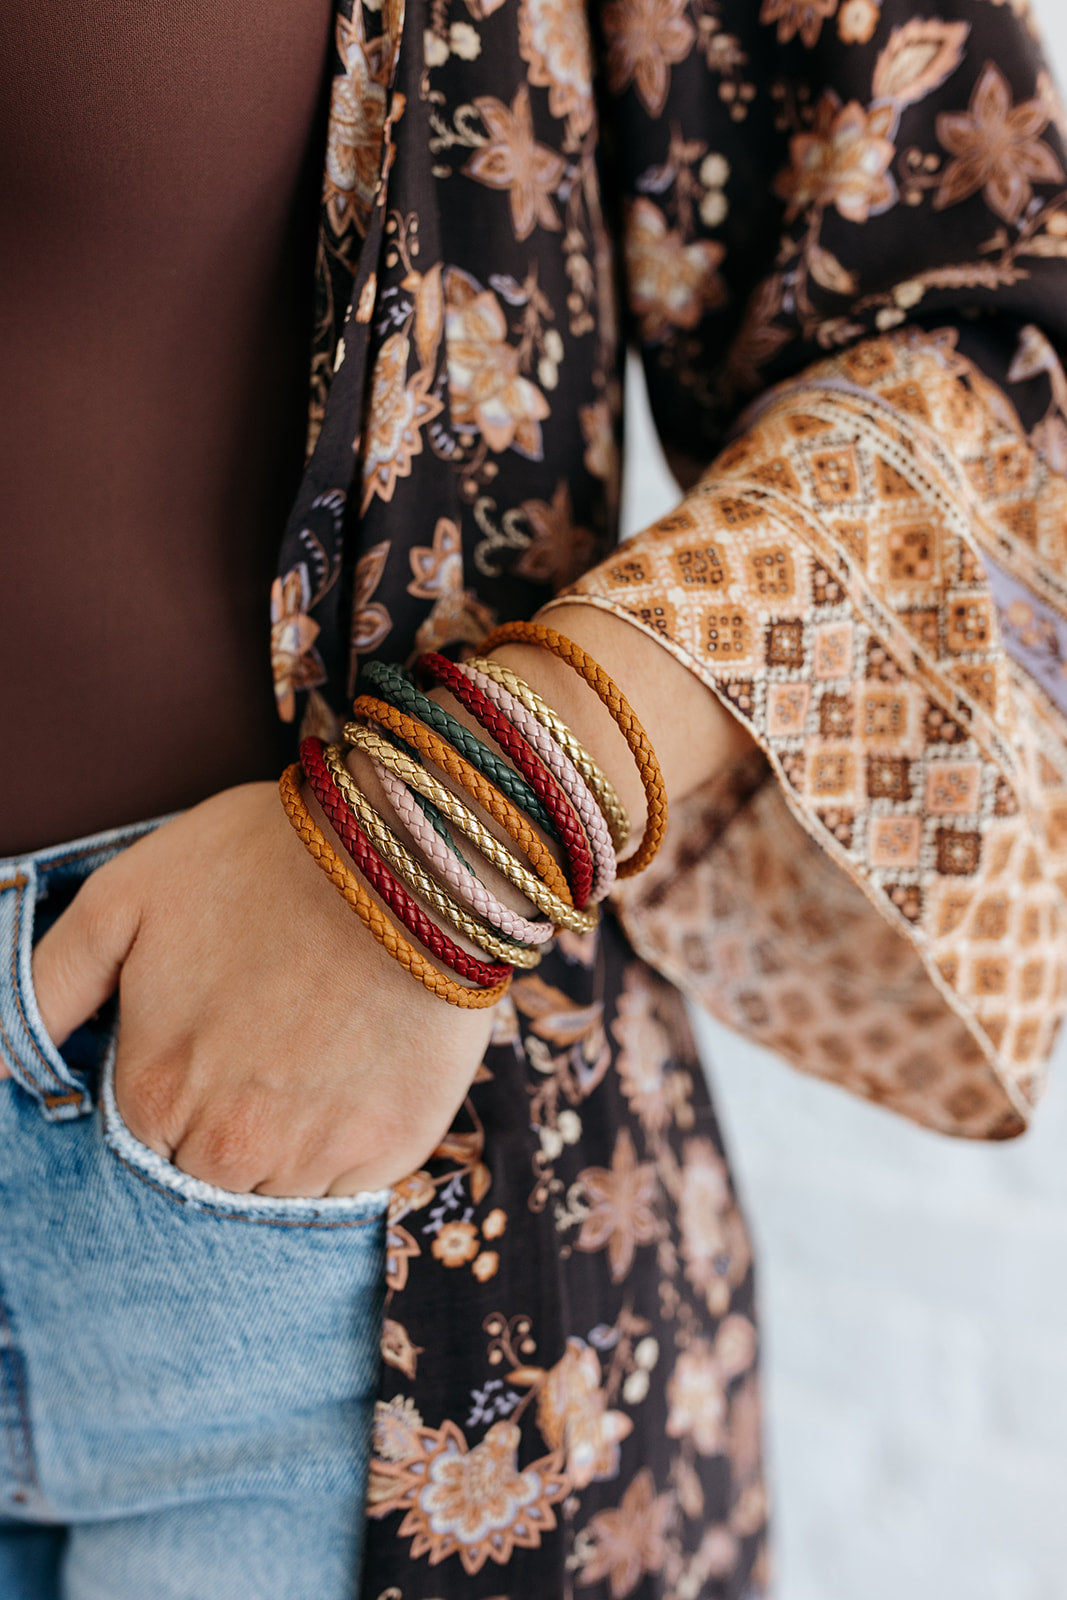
837,230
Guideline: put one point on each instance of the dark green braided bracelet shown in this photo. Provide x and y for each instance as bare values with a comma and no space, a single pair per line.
394,685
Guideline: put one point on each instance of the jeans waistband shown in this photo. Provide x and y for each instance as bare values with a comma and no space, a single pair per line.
27,884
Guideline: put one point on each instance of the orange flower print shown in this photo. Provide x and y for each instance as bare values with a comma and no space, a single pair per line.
554,40
489,395
472,1503
645,38
560,551
805,17
486,1266
715,1247
917,59
573,1416
358,103
857,21
456,1243
512,159
644,1050
295,661
370,619
397,410
397,1348
842,162
671,283
696,1396
621,1206
996,149
630,1541
397,1424
458,616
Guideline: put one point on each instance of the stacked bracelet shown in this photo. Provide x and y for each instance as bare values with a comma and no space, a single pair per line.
543,779
416,777
611,696
380,878
563,770
379,925
405,865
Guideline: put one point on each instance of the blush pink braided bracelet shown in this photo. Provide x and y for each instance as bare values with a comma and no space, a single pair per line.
469,888
563,770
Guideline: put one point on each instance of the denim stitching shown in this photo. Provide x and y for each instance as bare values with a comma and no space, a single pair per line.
238,1215
19,1432
16,991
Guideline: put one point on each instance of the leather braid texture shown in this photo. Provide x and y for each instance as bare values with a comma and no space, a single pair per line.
562,769
459,877
350,888
416,777
439,669
603,790
499,807
412,871
611,696
380,878
393,684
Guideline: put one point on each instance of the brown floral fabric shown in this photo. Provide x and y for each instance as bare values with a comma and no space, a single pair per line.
851,219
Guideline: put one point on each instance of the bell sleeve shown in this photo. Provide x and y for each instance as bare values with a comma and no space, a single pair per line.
845,232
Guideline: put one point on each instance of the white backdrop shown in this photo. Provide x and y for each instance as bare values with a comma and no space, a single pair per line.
914,1295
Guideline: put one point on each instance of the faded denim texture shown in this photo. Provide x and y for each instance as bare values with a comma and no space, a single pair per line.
186,1376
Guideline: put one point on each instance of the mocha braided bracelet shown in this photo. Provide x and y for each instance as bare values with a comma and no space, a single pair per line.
351,890
378,875
463,817
412,871
606,797
393,684
449,761
611,696
438,669
562,769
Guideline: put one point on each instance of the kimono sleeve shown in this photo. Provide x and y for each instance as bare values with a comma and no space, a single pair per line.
845,239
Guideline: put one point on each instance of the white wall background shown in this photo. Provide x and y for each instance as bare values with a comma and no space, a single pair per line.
914,1296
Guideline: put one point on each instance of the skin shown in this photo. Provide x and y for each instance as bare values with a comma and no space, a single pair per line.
241,1055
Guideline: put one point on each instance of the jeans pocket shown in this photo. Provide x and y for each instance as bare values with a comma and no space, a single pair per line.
35,1062
331,1211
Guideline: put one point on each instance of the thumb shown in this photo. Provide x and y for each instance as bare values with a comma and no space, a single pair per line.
76,964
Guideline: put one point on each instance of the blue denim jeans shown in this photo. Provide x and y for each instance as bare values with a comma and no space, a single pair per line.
186,1375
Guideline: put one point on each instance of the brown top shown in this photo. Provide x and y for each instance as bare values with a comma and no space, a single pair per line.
157,174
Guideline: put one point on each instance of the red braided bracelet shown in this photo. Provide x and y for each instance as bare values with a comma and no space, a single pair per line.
438,669
484,973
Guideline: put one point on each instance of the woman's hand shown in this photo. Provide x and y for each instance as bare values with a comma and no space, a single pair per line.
267,1042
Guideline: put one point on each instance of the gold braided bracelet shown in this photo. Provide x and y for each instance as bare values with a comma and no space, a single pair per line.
488,796
414,874
350,888
603,790
608,692
426,784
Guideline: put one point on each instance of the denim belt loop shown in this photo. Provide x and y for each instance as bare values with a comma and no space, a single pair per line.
25,1045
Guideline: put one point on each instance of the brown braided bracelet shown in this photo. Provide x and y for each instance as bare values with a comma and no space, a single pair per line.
609,693
487,795
350,888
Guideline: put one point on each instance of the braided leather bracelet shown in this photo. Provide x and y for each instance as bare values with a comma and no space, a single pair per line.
563,770
610,695
407,867
463,817
381,879
352,891
392,684
438,669
499,807
460,877
606,797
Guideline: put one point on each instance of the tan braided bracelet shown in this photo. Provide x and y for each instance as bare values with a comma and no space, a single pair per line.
350,888
608,692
